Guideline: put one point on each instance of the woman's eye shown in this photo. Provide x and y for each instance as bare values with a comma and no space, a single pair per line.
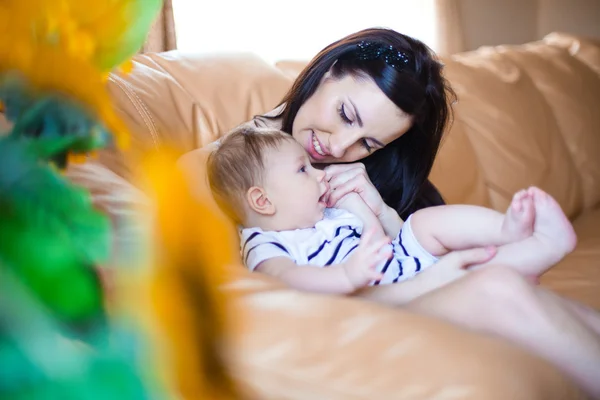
342,112
365,144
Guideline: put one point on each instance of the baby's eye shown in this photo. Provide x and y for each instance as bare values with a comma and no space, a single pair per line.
302,169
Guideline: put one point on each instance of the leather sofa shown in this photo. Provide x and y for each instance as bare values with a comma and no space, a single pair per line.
526,115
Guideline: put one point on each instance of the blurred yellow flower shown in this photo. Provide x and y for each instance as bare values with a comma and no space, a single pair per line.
70,46
195,251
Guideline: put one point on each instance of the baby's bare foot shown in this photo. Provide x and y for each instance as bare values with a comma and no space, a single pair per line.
519,219
551,224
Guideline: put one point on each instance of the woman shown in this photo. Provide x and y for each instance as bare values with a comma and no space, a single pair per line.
373,106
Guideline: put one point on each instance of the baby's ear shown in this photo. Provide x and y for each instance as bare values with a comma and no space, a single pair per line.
259,201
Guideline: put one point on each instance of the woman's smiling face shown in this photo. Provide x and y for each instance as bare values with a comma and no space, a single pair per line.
347,119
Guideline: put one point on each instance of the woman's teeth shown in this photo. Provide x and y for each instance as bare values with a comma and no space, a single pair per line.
317,146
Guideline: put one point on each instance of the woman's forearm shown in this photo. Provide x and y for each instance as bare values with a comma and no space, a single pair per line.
442,273
397,294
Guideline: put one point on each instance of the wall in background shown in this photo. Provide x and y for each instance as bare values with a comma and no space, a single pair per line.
494,22
581,17
277,30
298,30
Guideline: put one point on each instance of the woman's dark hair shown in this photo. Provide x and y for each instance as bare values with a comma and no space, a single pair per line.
399,171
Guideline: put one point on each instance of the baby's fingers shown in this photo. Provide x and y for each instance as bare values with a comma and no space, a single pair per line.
368,239
380,247
374,276
376,255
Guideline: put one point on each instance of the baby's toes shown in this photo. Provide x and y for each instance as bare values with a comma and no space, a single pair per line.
517,201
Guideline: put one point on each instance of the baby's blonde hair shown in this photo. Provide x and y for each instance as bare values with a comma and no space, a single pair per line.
239,164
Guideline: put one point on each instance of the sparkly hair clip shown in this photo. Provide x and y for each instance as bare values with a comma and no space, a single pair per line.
369,51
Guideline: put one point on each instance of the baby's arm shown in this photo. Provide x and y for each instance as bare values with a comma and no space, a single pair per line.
387,223
353,203
345,278
332,279
391,221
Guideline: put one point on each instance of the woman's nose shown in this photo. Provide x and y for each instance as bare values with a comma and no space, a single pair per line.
340,142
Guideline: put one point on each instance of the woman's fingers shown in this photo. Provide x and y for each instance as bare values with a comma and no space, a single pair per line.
335,169
345,176
336,194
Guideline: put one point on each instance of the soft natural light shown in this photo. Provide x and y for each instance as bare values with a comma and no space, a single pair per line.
281,30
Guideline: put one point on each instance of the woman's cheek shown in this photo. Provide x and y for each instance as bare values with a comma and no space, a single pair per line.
353,154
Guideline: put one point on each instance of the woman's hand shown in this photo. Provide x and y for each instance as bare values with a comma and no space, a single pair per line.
455,265
346,178
449,268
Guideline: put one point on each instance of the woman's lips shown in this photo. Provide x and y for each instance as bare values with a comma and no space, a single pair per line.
317,145
315,155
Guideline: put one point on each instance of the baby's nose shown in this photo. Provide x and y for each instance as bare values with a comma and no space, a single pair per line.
320,175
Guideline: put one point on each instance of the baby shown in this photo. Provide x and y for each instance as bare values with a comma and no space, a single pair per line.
264,180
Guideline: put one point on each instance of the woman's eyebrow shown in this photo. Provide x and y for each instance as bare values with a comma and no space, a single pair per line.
358,119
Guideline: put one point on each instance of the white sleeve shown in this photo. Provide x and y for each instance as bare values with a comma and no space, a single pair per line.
411,246
258,246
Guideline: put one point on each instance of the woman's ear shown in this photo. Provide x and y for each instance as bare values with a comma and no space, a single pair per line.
259,201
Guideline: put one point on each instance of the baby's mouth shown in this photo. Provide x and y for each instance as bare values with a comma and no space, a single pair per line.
322,198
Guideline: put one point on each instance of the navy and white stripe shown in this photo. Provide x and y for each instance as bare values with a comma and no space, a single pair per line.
331,242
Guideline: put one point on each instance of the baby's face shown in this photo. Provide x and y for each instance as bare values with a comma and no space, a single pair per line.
294,186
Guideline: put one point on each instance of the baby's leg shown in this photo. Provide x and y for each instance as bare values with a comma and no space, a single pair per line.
459,227
553,237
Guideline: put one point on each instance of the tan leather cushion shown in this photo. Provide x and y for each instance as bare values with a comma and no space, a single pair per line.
456,171
585,49
302,346
512,129
578,275
187,100
572,91
120,201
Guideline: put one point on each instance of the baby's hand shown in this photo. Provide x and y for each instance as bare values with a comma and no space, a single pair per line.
353,203
361,266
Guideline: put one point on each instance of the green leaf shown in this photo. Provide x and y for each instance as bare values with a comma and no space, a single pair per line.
50,233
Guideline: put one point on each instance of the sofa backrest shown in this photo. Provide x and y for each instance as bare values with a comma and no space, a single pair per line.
526,115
